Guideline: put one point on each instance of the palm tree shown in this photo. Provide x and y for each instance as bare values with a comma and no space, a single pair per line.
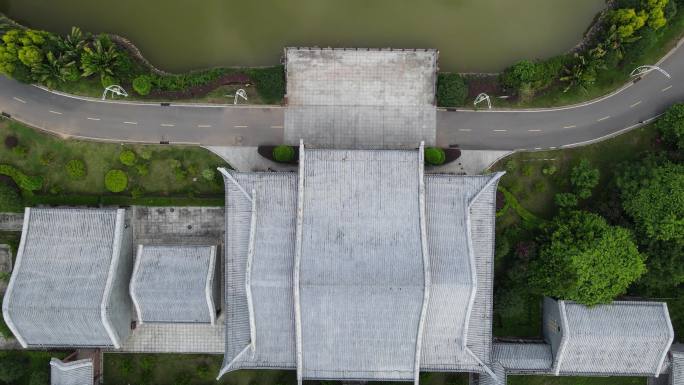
100,59
581,74
72,44
53,71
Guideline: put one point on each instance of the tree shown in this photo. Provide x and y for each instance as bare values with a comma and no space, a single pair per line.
127,157
584,178
522,72
565,200
100,58
116,181
72,44
665,267
628,21
584,259
451,90
434,156
76,169
580,74
283,154
142,85
671,125
54,71
652,195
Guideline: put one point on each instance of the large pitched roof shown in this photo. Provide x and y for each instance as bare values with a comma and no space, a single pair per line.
304,250
625,338
174,284
67,288
71,373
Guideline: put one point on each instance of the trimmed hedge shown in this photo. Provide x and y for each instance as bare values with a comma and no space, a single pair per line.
270,83
116,181
434,156
451,90
76,169
283,154
142,85
25,182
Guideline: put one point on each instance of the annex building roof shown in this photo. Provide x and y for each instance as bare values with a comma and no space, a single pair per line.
71,373
359,267
361,98
620,338
69,285
174,284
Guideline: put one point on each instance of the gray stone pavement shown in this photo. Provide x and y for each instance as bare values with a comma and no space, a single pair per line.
247,159
11,221
177,338
471,162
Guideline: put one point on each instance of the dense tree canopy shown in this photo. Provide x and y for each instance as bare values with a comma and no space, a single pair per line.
584,178
653,196
584,259
671,125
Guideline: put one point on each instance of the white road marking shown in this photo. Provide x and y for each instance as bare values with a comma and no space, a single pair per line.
635,104
573,126
537,148
603,118
241,126
465,129
55,112
167,125
19,100
204,125
276,126
666,88
500,130
552,148
93,118
130,122
534,130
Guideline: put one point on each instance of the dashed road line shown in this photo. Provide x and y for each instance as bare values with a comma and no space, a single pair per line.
167,125
276,126
537,148
500,130
55,112
572,126
94,119
19,100
241,126
635,104
204,125
465,129
666,88
130,122
603,118
534,130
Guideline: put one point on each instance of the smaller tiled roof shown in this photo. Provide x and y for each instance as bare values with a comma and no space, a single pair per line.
523,357
71,373
677,367
620,338
174,284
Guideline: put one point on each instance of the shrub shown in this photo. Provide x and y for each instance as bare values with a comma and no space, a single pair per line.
25,182
209,174
511,166
584,178
11,141
116,181
137,192
451,90
565,200
142,85
549,169
20,151
142,169
4,329
47,158
180,173
10,201
270,83
434,156
76,169
146,153
127,157
107,81
527,170
283,154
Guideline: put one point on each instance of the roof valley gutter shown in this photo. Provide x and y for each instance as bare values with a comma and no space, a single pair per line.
13,278
558,359
208,289
426,261
297,263
248,274
113,266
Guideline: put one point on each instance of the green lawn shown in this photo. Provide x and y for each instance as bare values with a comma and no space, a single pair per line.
168,171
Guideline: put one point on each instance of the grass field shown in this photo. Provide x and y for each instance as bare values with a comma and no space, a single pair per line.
168,170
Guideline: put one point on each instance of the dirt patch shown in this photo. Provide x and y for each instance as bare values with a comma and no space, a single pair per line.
488,84
202,90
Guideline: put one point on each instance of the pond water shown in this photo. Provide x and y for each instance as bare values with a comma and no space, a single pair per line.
177,35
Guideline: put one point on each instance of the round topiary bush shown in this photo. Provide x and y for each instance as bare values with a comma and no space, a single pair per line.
116,181
76,169
142,85
283,154
434,156
127,157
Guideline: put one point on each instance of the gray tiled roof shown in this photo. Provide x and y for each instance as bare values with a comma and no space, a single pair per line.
361,260
69,287
354,206
523,357
677,368
174,284
625,338
71,373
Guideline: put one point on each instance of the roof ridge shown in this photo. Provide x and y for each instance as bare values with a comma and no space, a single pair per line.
248,275
297,263
426,260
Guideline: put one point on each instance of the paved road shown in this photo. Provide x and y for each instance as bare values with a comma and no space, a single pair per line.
249,126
